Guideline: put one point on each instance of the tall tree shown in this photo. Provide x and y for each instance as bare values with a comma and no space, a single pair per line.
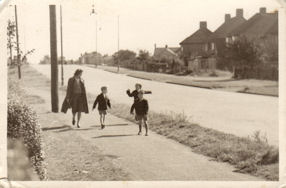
123,55
143,55
242,54
11,29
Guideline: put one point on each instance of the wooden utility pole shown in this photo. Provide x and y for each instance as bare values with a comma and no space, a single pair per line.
118,44
62,58
54,59
17,43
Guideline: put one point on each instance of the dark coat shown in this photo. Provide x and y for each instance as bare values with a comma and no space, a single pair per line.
135,94
141,107
66,105
103,102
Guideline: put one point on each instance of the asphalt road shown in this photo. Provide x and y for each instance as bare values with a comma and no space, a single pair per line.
235,113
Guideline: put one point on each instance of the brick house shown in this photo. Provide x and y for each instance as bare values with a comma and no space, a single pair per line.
218,39
91,58
194,45
167,58
166,53
195,51
262,29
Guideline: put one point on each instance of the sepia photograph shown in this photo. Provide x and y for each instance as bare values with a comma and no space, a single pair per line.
153,90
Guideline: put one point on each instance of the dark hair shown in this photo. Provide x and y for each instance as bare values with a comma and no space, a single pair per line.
138,85
103,88
77,72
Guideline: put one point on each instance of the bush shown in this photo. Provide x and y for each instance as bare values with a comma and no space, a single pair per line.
22,124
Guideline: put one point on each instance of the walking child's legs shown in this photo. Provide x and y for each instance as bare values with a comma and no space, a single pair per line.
103,119
146,127
140,126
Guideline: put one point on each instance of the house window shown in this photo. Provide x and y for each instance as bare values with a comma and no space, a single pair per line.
227,40
206,47
234,38
212,45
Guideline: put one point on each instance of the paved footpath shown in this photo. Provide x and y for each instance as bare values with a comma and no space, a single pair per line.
145,158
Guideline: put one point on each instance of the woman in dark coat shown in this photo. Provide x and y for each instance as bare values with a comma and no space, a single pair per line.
75,97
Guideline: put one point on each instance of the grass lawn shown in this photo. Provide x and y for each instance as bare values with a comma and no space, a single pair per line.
223,82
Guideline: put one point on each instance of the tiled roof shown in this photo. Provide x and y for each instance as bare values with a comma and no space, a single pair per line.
200,36
259,25
228,27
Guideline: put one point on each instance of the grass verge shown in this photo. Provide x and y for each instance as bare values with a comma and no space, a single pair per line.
252,155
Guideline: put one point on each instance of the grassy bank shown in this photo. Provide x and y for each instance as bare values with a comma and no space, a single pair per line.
251,155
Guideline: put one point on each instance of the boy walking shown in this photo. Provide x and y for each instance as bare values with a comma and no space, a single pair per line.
141,111
138,88
103,103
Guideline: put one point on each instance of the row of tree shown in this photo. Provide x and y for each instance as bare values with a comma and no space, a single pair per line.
12,45
125,55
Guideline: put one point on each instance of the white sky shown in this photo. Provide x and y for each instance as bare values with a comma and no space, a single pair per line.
142,22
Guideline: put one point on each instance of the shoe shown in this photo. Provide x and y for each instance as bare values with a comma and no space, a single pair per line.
73,122
139,133
146,134
78,126
102,126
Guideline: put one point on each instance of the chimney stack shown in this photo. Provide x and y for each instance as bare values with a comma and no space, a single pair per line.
203,24
155,46
239,12
166,46
226,17
262,10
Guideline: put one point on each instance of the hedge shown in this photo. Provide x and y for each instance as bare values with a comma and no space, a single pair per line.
23,124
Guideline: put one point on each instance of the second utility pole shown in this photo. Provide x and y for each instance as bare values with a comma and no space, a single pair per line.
118,45
62,58
17,41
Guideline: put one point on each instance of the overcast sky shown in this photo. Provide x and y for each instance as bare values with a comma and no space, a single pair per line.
142,22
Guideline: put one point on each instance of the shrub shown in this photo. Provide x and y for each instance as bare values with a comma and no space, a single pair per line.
22,124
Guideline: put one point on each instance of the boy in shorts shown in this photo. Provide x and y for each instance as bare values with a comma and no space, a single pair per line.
141,111
134,93
103,103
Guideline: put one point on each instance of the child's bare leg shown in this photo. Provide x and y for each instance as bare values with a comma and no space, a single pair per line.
146,127
140,127
101,123
103,119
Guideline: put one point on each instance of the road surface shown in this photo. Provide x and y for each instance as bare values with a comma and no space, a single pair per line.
235,113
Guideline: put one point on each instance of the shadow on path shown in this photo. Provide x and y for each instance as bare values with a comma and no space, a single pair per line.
111,136
112,125
55,128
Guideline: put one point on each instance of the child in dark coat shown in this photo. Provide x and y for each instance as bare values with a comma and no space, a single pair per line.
141,111
103,103
138,88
